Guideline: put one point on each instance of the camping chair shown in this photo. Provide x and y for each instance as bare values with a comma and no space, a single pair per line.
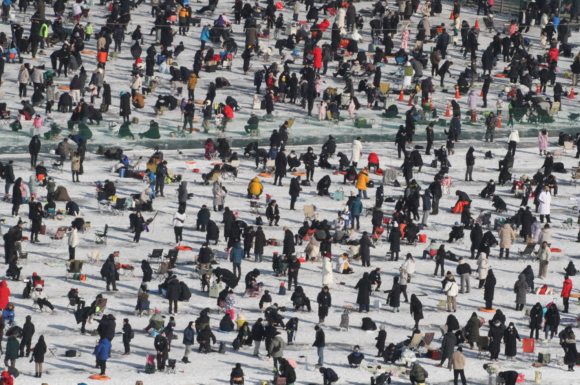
171,257
254,207
162,271
155,256
51,212
270,166
170,368
119,207
145,308
428,338
415,341
93,257
377,235
483,347
74,267
101,237
309,211
558,153
529,348
527,253
568,146
58,237
568,224
230,175
58,166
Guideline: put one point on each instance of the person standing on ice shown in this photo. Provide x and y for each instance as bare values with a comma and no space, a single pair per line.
545,199
356,151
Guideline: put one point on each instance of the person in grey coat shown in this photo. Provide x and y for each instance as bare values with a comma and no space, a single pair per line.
276,350
521,289
447,347
182,196
427,199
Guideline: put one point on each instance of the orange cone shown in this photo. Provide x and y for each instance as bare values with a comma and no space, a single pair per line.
571,96
476,23
538,89
448,111
451,17
410,99
431,104
457,96
498,124
402,96
481,94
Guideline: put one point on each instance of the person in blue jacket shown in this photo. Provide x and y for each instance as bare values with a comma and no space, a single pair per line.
236,256
102,351
355,209
204,36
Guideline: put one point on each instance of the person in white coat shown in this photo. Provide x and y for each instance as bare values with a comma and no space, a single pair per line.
356,150
545,199
341,17
327,274
73,242
451,289
178,222
219,195
342,265
482,266
409,266
513,141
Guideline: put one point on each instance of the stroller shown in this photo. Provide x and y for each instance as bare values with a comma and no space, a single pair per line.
279,265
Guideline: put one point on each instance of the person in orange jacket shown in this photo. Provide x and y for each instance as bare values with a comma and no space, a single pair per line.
566,290
361,184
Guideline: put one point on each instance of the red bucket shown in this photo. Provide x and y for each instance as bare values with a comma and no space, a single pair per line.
196,170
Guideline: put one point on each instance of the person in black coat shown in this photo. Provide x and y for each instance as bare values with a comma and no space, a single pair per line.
259,244
38,355
324,300
147,271
228,220
381,339
281,164
323,185
109,272
173,292
125,106
364,292
476,236
365,249
34,150
536,319
127,333
495,336
162,347
293,270
16,197
526,219
294,191
27,334
273,213
489,289
510,338
227,277
258,335
394,298
236,373
309,164
213,232
205,338
226,324
416,309
330,146
288,245
509,377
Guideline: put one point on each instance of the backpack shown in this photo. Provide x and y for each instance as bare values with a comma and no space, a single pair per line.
184,292
222,348
434,163
368,324
305,183
236,344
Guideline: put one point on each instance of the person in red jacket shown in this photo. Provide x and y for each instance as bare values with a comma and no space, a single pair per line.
4,295
373,161
6,379
553,54
317,53
566,290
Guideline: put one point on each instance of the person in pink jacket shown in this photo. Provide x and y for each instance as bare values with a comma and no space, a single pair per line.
351,109
322,111
543,141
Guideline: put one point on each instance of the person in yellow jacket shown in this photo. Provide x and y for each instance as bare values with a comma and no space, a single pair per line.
88,31
255,188
191,83
361,184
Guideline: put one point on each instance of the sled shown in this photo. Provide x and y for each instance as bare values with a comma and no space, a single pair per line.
266,175
183,248
486,310
89,52
298,173
99,377
66,88
555,250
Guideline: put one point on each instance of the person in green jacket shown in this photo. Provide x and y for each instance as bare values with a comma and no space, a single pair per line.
11,352
417,374
43,34
88,31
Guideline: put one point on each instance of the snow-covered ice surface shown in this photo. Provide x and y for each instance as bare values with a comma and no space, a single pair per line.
118,75
62,333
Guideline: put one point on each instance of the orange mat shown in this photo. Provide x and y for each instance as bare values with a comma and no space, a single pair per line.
487,311
99,377
216,164
554,250
67,88
298,173
266,175
183,248
89,52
